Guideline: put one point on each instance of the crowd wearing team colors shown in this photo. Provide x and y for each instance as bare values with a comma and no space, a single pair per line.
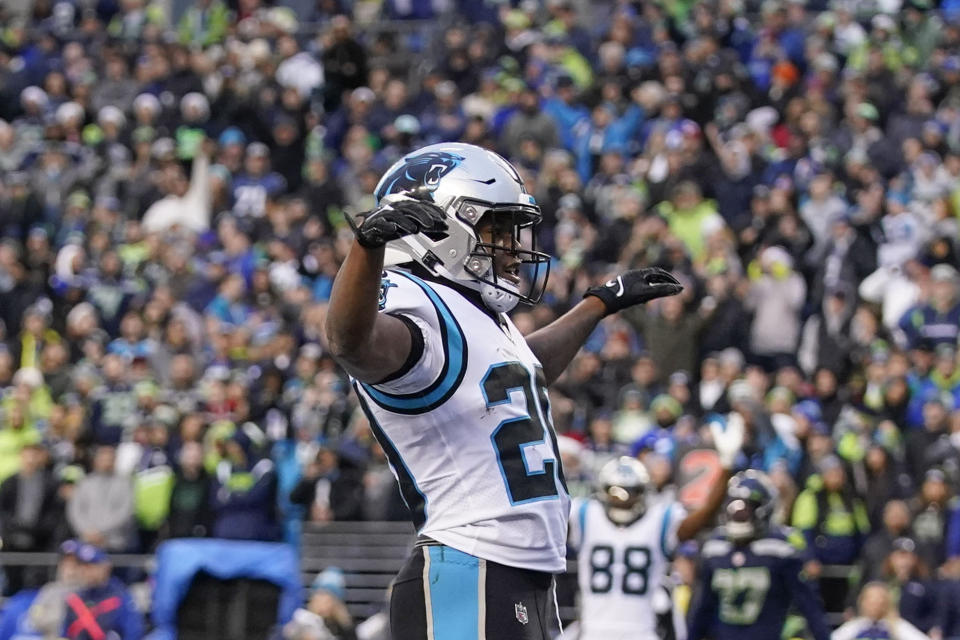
174,180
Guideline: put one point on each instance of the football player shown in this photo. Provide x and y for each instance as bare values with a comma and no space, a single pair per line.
752,570
625,540
456,396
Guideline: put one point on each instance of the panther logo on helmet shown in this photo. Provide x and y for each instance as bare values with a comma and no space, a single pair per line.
421,170
473,186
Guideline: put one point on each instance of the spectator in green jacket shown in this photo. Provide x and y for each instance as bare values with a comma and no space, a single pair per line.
832,518
204,24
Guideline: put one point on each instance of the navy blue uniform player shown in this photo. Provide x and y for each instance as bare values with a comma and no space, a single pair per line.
752,571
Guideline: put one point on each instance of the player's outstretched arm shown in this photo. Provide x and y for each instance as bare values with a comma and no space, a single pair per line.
728,439
368,344
556,344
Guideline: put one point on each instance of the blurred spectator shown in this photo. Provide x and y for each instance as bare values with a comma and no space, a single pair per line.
325,616
190,514
896,524
40,613
102,606
27,511
344,62
330,489
911,579
529,122
936,321
831,517
243,493
101,508
877,618
933,513
185,203
776,295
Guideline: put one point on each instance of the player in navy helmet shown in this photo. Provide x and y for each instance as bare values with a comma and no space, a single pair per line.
753,569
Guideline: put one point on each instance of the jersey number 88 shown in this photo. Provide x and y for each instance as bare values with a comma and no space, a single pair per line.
636,562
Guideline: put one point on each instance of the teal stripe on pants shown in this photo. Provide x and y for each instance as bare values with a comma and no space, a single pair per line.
454,595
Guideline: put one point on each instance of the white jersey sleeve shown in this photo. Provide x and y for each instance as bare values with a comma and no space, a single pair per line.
400,297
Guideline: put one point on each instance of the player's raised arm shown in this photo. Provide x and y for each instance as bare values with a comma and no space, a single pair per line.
728,439
557,343
371,345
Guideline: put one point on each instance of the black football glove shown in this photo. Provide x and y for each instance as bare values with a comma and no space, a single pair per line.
635,287
399,217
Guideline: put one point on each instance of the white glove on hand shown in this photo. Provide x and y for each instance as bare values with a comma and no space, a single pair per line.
728,438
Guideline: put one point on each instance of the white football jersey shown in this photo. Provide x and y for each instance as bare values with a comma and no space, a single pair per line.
467,430
621,570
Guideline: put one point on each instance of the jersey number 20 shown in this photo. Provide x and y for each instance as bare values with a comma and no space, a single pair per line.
512,436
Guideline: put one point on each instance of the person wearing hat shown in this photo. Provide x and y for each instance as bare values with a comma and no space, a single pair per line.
934,514
325,616
103,607
195,112
830,515
895,524
913,583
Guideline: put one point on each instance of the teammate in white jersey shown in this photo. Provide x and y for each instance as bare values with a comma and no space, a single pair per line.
457,396
625,542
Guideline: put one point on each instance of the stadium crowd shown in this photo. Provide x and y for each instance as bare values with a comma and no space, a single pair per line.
174,182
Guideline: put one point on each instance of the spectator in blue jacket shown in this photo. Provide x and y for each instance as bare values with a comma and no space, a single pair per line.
918,594
944,378
604,131
564,109
244,490
936,321
948,614
103,607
